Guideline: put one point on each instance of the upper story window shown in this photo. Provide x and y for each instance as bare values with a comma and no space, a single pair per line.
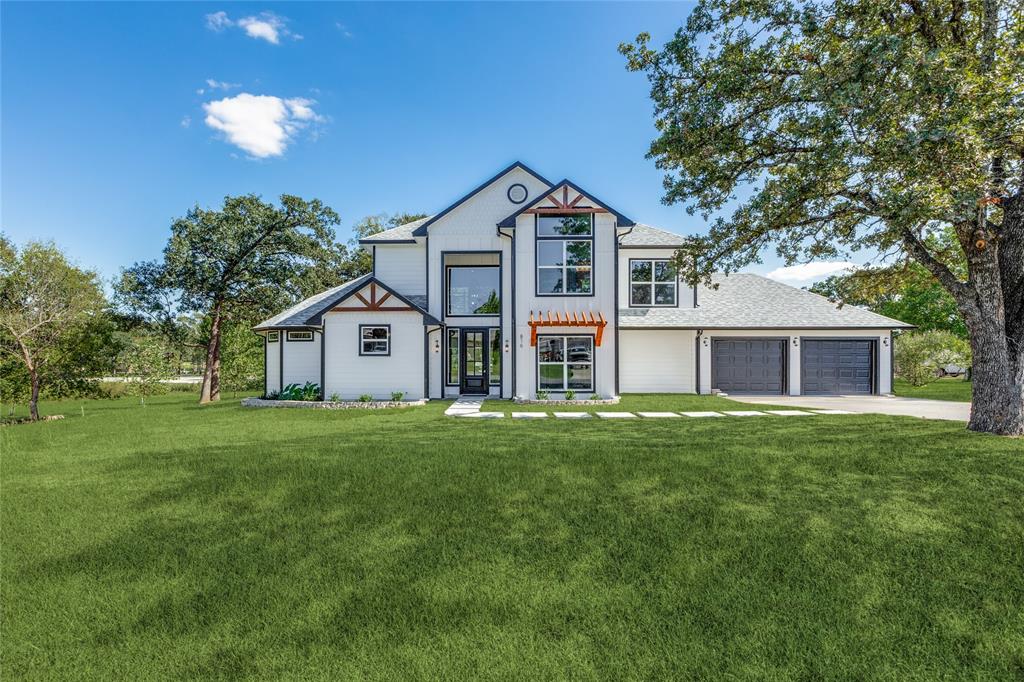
652,282
300,336
473,290
565,255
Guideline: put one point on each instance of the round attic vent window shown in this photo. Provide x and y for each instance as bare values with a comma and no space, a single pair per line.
517,193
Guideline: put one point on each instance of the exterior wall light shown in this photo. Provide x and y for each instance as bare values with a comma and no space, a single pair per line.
796,342
437,345
885,341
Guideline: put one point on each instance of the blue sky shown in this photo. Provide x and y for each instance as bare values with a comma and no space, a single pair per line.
116,118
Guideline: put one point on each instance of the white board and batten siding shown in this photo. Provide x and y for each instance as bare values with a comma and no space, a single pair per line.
273,374
402,266
301,360
657,360
350,375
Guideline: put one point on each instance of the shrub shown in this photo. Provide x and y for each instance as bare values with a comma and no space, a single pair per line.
570,394
919,355
595,396
335,398
308,391
273,395
365,398
397,396
542,395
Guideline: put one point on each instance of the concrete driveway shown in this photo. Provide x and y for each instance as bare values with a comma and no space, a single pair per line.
875,404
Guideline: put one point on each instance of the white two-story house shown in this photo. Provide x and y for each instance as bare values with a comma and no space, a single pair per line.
526,285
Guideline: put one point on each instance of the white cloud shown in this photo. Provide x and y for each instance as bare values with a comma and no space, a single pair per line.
218,21
810,271
261,125
186,122
265,26
344,29
220,85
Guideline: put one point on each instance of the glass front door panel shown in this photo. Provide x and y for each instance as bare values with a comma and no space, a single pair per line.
474,361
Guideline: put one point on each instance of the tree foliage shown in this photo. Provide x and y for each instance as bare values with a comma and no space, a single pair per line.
362,260
52,318
245,260
920,355
858,124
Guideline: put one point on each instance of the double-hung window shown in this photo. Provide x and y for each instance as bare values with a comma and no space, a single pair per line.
374,339
652,282
565,255
565,363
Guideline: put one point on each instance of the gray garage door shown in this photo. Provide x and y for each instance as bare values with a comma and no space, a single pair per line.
747,365
836,366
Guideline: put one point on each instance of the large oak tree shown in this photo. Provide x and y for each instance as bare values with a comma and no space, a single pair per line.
858,124
247,259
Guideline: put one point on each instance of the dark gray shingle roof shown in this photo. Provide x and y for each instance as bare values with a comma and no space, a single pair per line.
298,315
748,301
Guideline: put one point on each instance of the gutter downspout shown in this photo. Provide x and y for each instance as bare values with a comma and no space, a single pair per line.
696,382
511,339
618,238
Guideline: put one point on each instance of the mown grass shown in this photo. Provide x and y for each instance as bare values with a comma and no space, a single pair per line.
650,402
188,542
947,388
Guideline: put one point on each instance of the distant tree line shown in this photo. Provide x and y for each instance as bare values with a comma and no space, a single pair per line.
193,309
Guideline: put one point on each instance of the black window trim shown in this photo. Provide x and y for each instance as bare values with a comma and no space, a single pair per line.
492,380
289,339
374,326
629,285
538,238
448,356
275,334
593,365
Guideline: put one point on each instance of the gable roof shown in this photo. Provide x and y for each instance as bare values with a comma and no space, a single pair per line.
748,301
421,230
620,219
644,235
402,234
310,312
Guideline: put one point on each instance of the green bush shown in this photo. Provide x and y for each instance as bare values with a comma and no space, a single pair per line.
595,396
570,395
308,391
919,355
397,396
365,398
335,398
542,395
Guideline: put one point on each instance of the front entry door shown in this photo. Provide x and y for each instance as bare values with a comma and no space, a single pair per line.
473,362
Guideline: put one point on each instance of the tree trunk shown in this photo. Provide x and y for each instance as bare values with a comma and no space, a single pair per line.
33,402
211,374
998,357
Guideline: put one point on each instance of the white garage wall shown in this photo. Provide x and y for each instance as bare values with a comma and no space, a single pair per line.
301,360
883,336
656,360
350,375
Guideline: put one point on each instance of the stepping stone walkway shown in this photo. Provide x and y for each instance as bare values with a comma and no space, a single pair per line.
470,407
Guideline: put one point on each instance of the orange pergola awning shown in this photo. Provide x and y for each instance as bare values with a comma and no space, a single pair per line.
564,319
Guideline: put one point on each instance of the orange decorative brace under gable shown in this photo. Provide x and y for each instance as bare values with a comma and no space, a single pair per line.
563,319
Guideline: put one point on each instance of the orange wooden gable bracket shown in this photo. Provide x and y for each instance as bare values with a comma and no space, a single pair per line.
374,303
563,205
559,319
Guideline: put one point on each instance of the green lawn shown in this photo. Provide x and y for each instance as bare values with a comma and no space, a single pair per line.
187,542
652,402
948,388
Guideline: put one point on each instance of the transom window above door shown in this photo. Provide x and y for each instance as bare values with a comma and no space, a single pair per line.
565,255
652,282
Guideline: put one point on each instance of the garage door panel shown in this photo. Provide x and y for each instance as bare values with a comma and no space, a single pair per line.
836,366
747,365
656,361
